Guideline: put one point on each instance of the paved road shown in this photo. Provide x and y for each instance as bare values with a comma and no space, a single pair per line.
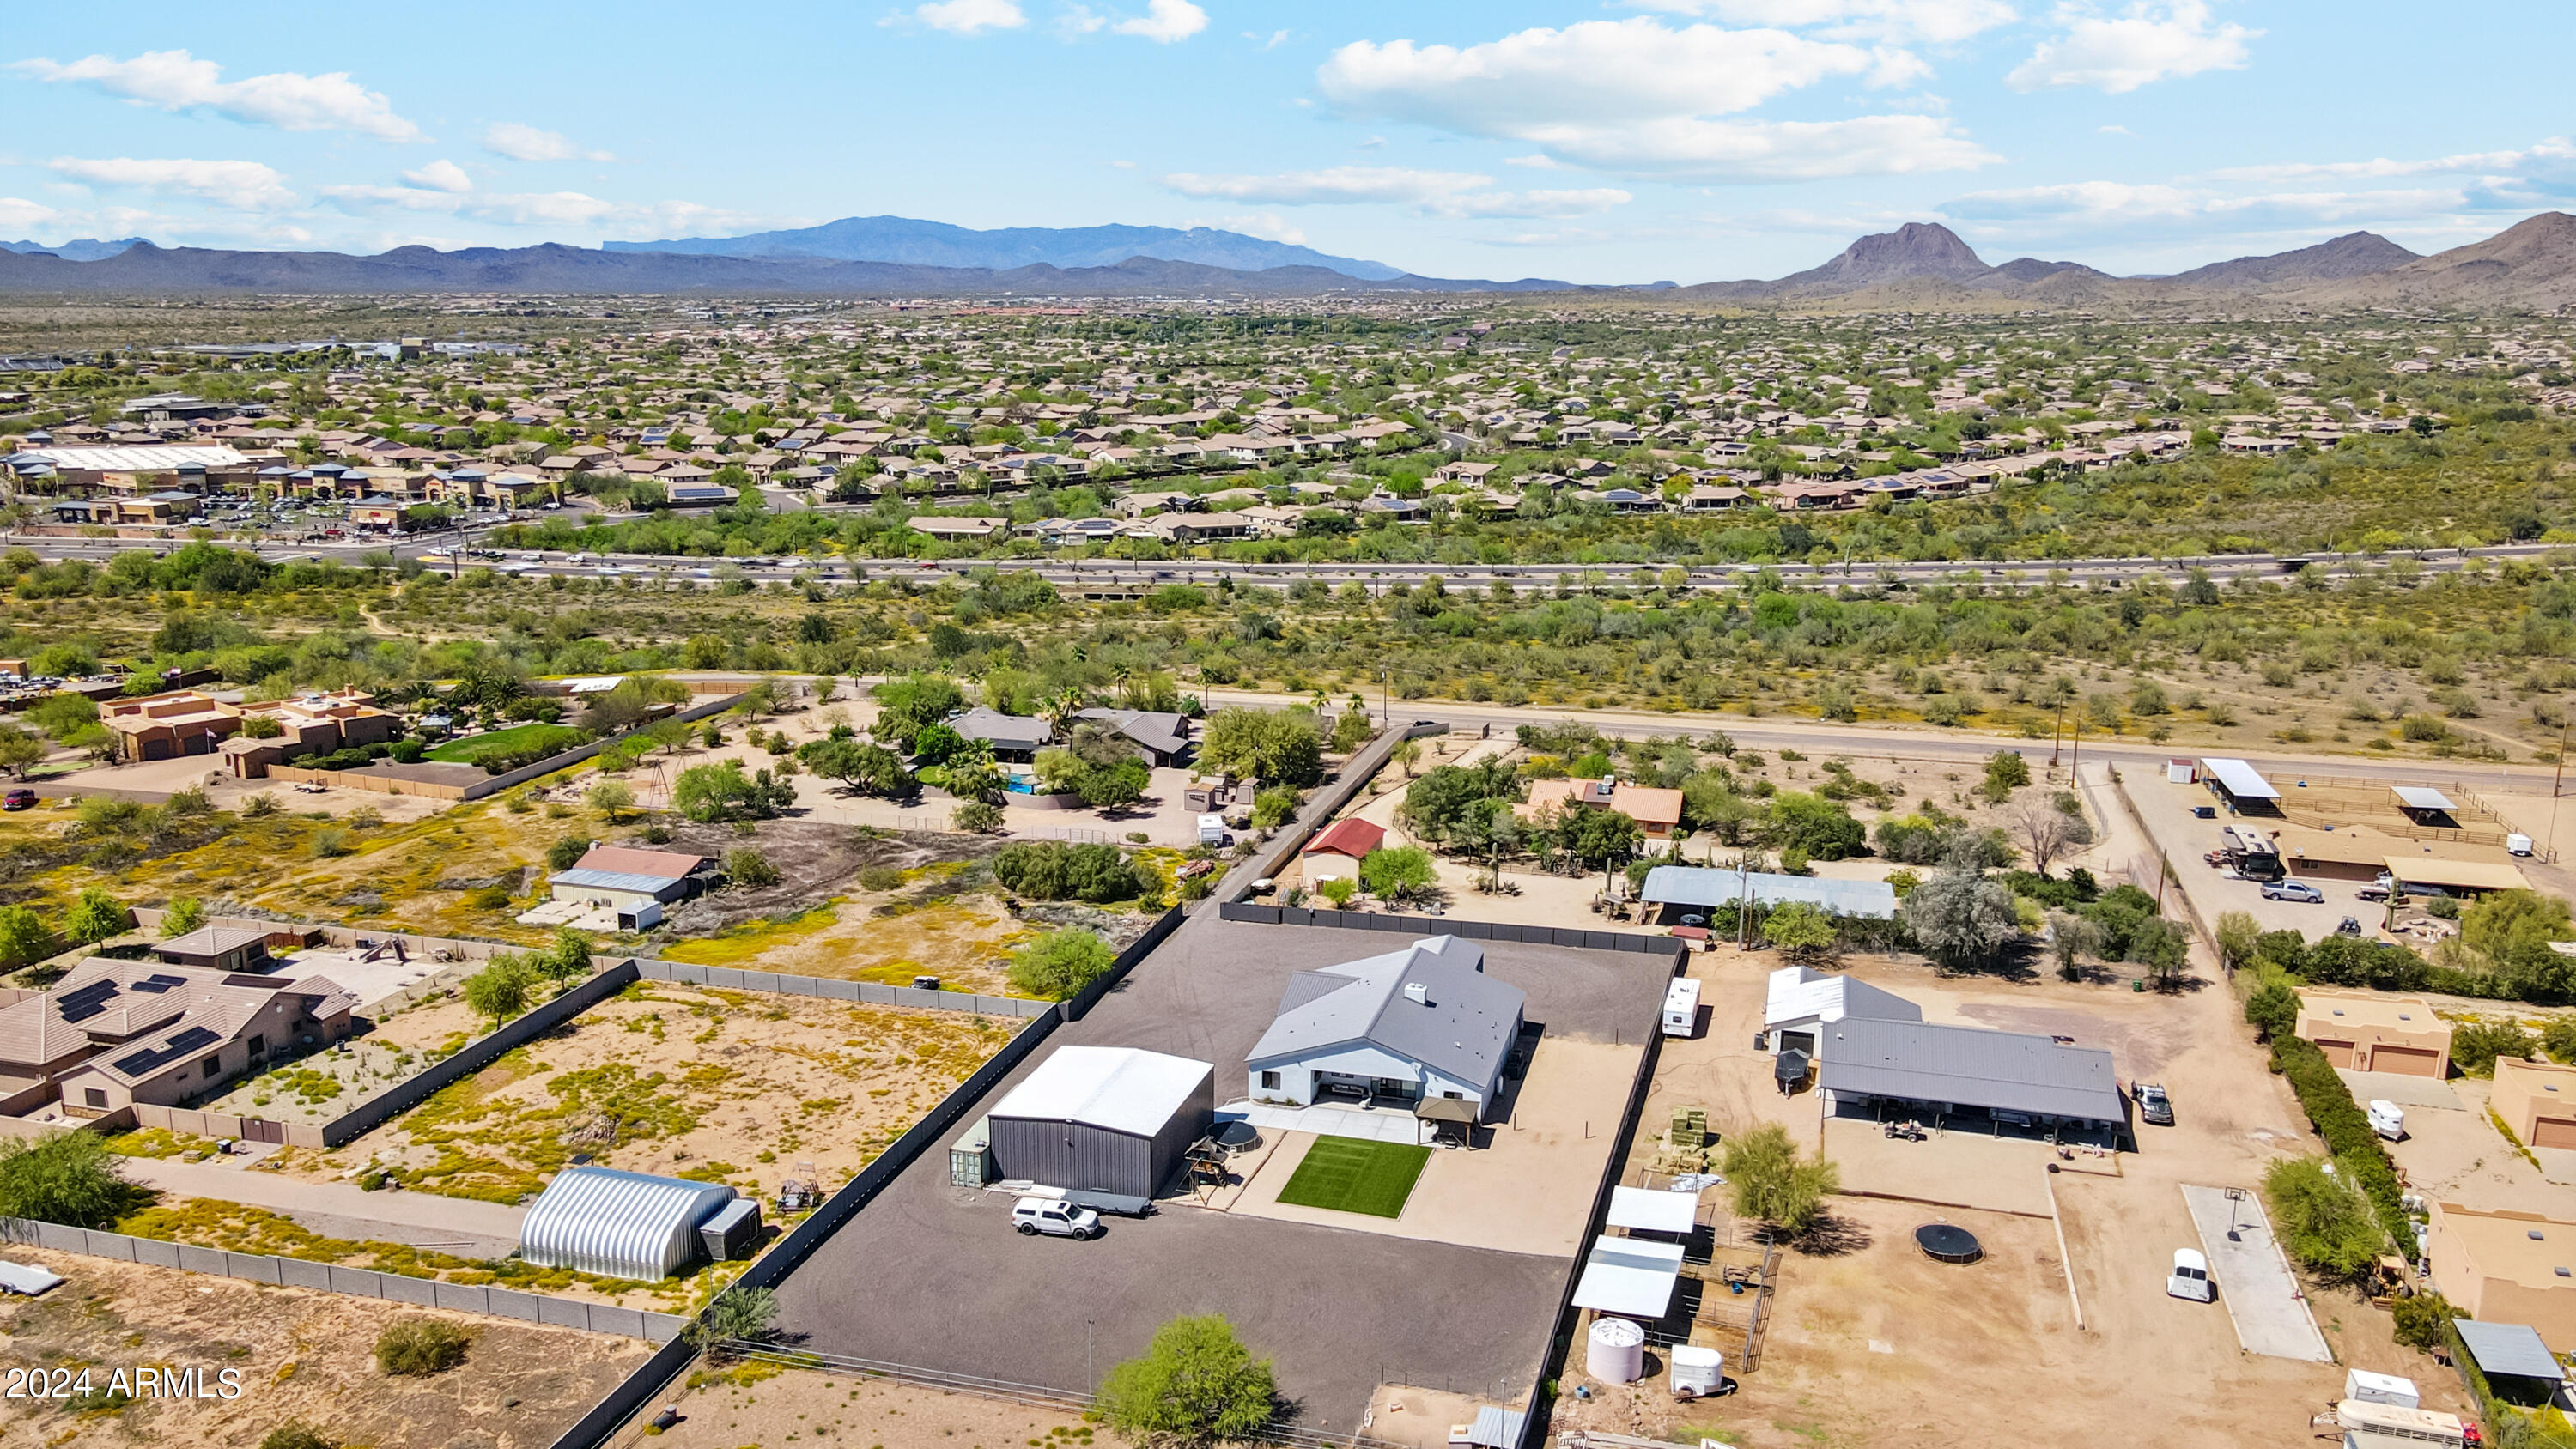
420,1218
1124,578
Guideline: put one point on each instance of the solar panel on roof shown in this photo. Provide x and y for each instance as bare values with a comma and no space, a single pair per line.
86,1002
135,1064
157,982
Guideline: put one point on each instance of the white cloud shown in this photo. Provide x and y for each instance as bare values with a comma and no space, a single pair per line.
969,17
522,142
1272,41
2555,151
1079,20
174,80
242,185
1639,96
2145,43
554,209
1433,193
2113,131
441,176
1936,22
1165,21
1267,225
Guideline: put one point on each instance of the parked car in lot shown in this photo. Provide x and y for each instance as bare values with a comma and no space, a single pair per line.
2154,1107
1034,1215
2190,1278
2293,890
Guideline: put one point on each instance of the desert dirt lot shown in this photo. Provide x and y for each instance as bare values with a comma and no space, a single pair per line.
301,1355
1863,1305
734,1406
672,1079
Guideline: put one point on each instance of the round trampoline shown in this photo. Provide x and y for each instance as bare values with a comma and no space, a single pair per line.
1945,1243
1237,1136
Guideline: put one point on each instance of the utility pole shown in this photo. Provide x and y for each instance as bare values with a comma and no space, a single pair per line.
2057,733
2076,754
2557,774
1385,705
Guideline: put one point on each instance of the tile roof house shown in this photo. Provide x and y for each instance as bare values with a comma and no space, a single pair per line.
1424,1024
113,1033
1657,812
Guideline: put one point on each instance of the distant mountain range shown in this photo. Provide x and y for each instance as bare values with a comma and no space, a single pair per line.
145,269
1919,266
87,249
938,244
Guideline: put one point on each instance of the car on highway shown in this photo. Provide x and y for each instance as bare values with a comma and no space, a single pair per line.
2293,890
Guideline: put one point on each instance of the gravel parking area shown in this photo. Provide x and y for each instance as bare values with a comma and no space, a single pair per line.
931,1275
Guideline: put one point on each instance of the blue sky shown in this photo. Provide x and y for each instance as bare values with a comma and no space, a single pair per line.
1686,139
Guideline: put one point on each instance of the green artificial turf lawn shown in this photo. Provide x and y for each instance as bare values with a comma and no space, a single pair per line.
1348,1175
463,751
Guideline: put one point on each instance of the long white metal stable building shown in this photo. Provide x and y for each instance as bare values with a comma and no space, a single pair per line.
619,1224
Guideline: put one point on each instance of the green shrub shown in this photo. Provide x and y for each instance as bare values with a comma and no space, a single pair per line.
1195,1383
1059,964
419,1347
2475,1045
294,1434
2346,1129
2419,1319
747,867
881,878
2323,1219
65,1177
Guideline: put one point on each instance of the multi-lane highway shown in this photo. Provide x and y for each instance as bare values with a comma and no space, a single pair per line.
1113,578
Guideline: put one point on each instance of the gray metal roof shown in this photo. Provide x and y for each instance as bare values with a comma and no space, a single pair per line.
1690,885
2508,1348
1462,1029
1166,734
619,1224
1011,730
616,880
1968,1066
2424,797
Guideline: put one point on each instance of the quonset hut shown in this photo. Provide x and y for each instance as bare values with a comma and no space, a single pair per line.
619,1224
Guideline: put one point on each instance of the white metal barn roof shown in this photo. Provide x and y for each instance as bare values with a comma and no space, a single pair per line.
2240,779
1691,885
2424,797
1796,993
1653,1212
1630,1277
1125,1089
618,1224
140,458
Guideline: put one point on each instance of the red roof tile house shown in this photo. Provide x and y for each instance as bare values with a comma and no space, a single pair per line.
1338,849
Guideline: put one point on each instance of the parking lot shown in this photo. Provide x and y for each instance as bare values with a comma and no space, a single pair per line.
931,1275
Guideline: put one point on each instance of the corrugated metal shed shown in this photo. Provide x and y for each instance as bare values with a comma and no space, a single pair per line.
619,1224
1969,1067
1692,885
1102,1119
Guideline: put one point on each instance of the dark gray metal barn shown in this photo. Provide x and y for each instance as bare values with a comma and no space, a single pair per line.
1103,1119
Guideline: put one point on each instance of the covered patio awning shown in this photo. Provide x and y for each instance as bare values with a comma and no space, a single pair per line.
2423,797
1630,1277
1445,1109
2508,1348
2239,779
1641,1210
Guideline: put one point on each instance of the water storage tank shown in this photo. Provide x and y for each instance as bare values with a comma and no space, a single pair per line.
1697,1372
1616,1351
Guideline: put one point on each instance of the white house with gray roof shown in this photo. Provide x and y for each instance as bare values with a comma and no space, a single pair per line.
1422,1024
